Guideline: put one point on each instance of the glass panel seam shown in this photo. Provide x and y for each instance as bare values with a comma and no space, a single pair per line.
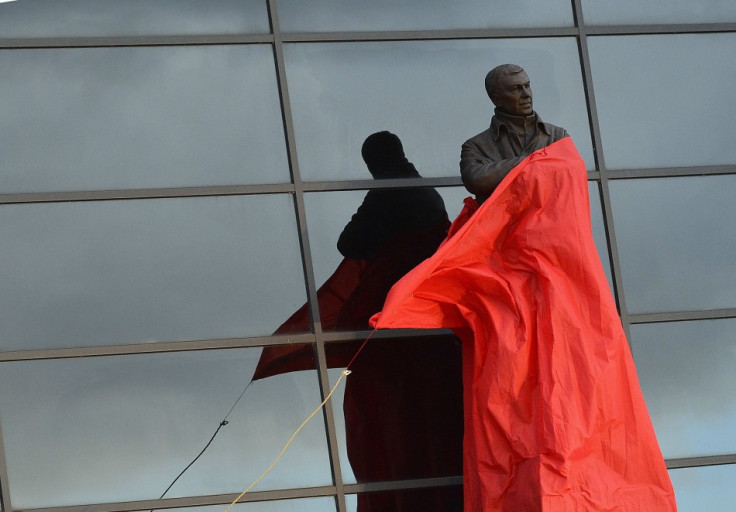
675,28
671,172
297,37
420,35
156,347
404,484
161,193
94,42
694,462
681,316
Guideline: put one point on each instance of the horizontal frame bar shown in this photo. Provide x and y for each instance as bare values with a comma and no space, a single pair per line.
681,316
363,36
670,172
155,348
698,462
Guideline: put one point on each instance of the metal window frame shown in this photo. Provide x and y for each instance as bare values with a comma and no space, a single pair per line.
298,188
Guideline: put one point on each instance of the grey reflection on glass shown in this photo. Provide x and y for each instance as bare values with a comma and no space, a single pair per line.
704,488
338,400
95,430
109,18
386,418
366,242
686,374
665,113
328,212
604,12
102,118
431,93
599,230
321,504
395,499
341,15
82,274
676,242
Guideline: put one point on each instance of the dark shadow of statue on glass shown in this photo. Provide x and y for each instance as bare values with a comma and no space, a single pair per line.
403,400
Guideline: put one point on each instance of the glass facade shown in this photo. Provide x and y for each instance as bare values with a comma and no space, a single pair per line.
180,188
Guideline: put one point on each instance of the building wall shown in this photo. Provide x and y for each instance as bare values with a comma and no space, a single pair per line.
174,177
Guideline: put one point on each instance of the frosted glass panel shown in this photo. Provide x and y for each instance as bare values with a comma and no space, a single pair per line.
101,273
662,101
677,242
686,374
107,18
429,93
605,12
343,15
96,430
119,118
704,488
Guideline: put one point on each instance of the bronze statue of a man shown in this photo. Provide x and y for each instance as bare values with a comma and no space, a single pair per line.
516,131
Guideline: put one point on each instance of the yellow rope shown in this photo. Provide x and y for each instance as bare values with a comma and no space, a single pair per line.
344,374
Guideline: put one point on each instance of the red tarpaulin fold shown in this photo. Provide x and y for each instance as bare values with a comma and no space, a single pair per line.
554,417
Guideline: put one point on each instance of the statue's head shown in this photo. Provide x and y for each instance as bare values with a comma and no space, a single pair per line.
509,89
383,153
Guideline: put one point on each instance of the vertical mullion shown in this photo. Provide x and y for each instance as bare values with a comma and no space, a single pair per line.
600,163
328,414
4,489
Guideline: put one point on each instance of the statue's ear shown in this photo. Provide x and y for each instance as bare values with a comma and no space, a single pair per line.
494,98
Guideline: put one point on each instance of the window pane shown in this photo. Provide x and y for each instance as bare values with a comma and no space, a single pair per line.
603,12
686,374
107,118
341,15
106,429
704,488
83,274
390,428
677,242
109,18
426,499
670,110
430,93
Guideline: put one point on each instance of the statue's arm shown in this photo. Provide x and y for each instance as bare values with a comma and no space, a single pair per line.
480,174
366,229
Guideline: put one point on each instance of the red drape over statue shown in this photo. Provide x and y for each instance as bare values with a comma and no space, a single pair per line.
554,417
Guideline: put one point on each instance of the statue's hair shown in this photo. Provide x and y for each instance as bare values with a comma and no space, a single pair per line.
382,147
497,73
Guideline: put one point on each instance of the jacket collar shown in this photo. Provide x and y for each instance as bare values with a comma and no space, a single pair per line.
502,120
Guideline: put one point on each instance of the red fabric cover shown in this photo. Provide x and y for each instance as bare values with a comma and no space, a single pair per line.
554,415
332,296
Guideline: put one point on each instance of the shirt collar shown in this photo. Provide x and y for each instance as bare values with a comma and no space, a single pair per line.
509,122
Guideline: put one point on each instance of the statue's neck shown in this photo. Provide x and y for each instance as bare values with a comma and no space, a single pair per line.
519,123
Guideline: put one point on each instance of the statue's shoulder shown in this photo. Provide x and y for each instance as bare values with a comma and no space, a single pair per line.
555,132
481,139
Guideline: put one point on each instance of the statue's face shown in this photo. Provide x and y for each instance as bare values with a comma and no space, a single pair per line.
514,94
